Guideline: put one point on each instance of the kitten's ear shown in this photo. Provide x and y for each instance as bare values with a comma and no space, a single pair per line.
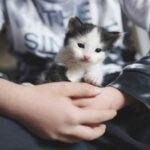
74,23
110,36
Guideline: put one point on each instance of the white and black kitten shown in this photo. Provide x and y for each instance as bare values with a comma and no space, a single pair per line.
81,58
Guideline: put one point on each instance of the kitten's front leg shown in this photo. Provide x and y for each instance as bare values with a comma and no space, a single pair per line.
75,74
94,76
57,73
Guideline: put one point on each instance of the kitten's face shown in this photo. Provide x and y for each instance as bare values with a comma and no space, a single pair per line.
88,48
87,42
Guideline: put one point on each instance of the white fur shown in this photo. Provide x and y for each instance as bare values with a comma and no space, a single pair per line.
71,57
91,41
94,74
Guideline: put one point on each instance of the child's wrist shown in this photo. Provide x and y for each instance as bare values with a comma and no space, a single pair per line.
10,98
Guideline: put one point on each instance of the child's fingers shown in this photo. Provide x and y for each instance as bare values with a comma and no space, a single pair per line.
75,90
91,116
83,102
88,133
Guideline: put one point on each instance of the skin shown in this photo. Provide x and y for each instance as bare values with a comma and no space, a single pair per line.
49,111
109,98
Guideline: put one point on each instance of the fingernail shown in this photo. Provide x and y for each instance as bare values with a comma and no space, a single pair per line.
103,126
114,112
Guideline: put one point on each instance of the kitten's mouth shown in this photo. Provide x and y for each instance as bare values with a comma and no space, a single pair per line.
85,59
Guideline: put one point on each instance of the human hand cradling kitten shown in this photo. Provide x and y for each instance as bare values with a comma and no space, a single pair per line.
109,98
48,110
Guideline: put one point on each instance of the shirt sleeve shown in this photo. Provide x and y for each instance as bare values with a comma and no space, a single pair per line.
138,11
2,20
135,80
1,26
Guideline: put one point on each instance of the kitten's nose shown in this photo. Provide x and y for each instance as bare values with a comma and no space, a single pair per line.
85,58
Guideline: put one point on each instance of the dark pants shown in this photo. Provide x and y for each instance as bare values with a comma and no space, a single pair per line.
130,130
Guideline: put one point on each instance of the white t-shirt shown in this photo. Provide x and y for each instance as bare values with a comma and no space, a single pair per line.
39,26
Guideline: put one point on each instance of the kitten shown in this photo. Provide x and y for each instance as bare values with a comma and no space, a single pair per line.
81,58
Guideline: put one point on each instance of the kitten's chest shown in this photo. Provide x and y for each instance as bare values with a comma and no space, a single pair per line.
75,74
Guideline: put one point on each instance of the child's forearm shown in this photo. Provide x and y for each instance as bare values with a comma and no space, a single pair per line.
9,97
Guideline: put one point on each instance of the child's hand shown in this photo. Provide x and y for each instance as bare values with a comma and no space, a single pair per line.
109,98
47,110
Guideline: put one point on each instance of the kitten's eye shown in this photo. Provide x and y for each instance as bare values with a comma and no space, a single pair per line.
81,45
98,50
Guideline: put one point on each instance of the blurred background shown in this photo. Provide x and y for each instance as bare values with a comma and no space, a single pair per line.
7,61
139,37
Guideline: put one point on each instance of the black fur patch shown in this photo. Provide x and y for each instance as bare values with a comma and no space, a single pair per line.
56,73
77,28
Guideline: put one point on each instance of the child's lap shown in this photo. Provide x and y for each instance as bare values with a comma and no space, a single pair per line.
129,130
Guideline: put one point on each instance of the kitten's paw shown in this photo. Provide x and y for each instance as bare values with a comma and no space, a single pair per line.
93,79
